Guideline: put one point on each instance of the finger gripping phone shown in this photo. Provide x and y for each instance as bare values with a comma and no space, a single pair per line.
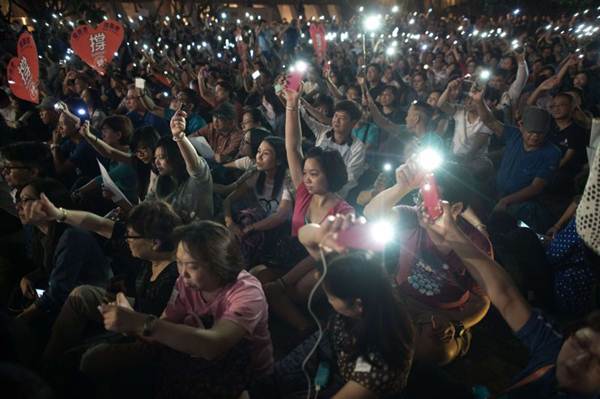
361,236
431,197
293,81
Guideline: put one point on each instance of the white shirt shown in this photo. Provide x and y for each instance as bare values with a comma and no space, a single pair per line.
353,154
464,133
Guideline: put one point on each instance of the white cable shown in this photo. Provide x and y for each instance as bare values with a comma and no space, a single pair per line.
314,316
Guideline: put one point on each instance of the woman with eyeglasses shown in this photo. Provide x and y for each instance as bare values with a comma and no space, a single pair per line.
65,256
147,233
257,227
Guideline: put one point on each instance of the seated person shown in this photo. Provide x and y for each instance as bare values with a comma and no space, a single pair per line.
187,100
138,114
364,365
66,256
184,177
25,161
440,296
268,187
528,163
148,234
211,340
246,158
558,366
338,136
116,133
74,158
222,134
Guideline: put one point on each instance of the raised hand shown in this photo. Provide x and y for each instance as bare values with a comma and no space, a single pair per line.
178,123
550,83
409,175
42,210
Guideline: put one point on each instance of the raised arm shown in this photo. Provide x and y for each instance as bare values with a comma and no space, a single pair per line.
485,114
544,87
488,274
195,165
203,90
314,113
378,118
293,136
443,103
44,210
102,148
515,89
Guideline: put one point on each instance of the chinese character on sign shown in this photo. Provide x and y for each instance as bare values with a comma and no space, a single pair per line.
98,42
25,73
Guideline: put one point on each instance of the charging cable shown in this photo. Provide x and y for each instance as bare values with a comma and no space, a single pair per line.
319,326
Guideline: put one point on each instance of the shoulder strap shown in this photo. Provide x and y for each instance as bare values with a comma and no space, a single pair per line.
536,375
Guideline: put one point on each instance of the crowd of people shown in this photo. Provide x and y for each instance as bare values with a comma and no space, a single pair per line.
161,222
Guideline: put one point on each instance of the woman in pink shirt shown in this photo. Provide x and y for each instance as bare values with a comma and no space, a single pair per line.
212,339
316,177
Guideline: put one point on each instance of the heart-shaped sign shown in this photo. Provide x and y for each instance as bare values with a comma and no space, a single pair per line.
23,70
97,46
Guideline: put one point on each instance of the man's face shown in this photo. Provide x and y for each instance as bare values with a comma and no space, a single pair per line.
561,108
578,362
418,82
412,118
532,140
497,82
221,94
580,80
17,174
132,101
341,123
66,126
372,74
47,116
386,98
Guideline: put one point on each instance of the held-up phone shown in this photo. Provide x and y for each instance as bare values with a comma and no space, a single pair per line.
465,88
361,236
39,292
293,81
431,197
255,75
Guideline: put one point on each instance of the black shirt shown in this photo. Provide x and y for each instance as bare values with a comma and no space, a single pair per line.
573,137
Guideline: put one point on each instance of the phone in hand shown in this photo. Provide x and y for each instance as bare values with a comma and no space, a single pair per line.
361,236
431,197
39,292
293,81
255,75
140,83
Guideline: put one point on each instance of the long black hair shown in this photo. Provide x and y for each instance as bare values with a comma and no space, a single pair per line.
44,246
385,326
281,160
148,137
166,184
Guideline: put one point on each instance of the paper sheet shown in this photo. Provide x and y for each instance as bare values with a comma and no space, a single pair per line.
110,185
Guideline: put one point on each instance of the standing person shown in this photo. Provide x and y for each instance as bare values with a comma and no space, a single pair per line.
317,177
213,338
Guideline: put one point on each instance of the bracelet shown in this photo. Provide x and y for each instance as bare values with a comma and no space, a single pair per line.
179,137
63,215
291,108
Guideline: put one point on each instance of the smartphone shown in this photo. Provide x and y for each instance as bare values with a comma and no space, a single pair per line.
140,83
255,75
293,81
360,236
39,292
431,197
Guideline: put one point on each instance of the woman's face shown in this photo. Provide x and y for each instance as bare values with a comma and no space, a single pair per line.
353,310
144,153
580,80
353,94
248,122
139,246
433,98
162,162
25,200
66,127
194,273
110,137
314,178
265,157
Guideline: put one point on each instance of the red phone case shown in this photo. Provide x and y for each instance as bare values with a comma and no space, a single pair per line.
293,81
431,197
360,236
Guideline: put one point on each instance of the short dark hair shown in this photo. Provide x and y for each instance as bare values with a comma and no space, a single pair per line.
333,167
566,95
257,116
144,136
349,107
156,220
376,66
119,123
212,244
31,154
424,109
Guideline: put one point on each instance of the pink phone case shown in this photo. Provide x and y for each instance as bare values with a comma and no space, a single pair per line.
431,197
360,236
293,81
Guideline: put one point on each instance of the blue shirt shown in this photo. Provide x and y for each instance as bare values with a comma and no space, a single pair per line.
544,344
149,119
519,167
193,122
83,156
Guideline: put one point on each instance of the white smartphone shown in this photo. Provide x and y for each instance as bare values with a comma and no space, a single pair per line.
140,83
255,75
39,292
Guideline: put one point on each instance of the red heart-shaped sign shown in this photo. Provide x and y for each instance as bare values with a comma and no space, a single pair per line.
97,46
23,70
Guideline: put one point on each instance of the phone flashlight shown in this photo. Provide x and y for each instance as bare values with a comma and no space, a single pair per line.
39,292
295,77
81,112
255,75
368,236
57,107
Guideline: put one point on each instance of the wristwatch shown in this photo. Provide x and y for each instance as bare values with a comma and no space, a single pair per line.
149,325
